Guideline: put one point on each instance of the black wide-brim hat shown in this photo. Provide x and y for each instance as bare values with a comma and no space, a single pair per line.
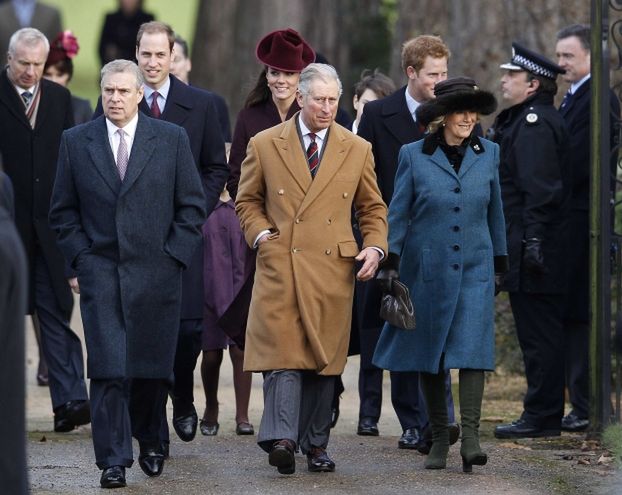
285,50
456,95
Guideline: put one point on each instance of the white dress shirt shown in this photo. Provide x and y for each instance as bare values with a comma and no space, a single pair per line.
114,138
577,85
412,104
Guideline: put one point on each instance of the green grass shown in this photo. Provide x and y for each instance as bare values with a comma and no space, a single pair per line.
85,18
612,439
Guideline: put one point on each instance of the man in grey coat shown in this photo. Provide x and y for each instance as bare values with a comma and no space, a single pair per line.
127,206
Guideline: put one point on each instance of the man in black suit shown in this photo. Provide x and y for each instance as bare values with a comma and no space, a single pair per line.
168,98
128,207
33,114
573,55
13,471
388,124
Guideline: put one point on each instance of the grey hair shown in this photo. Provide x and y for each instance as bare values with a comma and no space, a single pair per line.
314,71
29,37
120,65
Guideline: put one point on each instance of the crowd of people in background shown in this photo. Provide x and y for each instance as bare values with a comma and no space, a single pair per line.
184,239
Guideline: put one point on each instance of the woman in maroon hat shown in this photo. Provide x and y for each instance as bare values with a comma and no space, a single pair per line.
273,100
59,69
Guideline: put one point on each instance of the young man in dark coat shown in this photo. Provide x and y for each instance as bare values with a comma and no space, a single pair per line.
128,207
33,114
535,189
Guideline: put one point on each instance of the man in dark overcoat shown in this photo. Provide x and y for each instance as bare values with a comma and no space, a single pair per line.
573,55
388,124
13,287
33,114
169,99
534,179
128,208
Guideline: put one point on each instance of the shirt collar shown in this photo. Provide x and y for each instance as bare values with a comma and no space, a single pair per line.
577,85
129,128
304,130
163,91
411,103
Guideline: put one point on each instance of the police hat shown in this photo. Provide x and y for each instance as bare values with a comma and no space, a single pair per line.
455,95
525,59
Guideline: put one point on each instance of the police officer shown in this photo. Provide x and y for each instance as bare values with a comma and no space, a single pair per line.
534,142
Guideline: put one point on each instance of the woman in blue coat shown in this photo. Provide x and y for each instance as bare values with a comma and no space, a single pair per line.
446,242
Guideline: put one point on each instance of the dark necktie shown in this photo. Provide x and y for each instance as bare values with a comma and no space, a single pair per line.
312,155
566,100
155,109
26,97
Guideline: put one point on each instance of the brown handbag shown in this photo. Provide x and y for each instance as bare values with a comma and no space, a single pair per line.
396,307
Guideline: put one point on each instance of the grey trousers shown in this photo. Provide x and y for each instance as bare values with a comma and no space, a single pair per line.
297,407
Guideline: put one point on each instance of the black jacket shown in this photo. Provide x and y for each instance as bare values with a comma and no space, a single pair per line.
535,186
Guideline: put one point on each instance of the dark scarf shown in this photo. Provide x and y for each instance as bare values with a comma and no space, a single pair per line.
454,154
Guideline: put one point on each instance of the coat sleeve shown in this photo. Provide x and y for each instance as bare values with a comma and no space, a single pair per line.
371,212
185,234
401,203
250,202
64,216
496,219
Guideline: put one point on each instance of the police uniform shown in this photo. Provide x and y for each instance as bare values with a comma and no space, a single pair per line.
535,191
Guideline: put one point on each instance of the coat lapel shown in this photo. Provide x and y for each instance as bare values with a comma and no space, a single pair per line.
142,149
9,96
439,158
101,154
337,147
398,120
178,104
290,150
475,148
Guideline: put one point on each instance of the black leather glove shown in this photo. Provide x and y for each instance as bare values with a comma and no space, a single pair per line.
498,283
533,258
388,272
385,278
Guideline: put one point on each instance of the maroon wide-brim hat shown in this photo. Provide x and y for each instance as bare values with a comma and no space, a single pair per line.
285,50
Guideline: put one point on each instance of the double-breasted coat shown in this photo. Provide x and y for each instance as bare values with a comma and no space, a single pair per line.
447,228
301,303
29,156
128,241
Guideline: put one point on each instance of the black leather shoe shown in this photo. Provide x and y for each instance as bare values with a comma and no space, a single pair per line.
410,439
367,428
207,429
319,462
282,456
572,422
165,448
522,429
113,477
71,414
426,438
244,429
186,426
151,461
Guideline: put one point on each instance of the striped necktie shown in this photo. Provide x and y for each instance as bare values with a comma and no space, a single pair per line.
312,155
122,154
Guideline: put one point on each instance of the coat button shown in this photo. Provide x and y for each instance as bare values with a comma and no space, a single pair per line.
456,266
329,221
456,247
456,228
298,220
457,190
295,250
327,251
345,195
281,192
456,209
